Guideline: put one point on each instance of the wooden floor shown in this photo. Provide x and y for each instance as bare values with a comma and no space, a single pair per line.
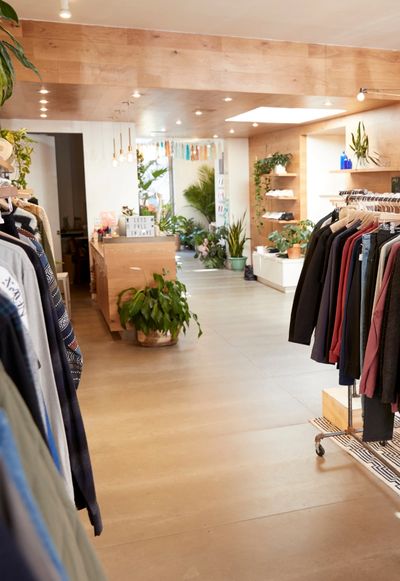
204,459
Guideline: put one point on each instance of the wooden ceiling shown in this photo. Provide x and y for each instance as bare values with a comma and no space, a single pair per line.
159,109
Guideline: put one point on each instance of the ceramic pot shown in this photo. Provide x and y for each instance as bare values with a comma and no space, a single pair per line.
155,339
294,251
280,170
238,264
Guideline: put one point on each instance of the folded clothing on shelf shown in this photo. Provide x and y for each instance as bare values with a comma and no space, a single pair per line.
279,216
280,193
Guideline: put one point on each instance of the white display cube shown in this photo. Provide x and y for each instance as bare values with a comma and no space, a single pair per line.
279,273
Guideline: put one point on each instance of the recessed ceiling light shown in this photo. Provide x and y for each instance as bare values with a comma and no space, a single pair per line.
231,131
43,101
228,99
43,115
284,115
44,109
65,12
328,103
215,136
44,91
178,122
198,112
136,95
255,124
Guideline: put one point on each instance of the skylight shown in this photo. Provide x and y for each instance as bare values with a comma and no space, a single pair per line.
284,115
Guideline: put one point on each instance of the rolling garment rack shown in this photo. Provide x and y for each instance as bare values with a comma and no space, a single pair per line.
386,205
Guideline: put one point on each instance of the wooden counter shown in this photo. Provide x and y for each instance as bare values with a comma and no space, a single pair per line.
119,263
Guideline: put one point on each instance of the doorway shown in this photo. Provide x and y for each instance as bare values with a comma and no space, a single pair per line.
58,180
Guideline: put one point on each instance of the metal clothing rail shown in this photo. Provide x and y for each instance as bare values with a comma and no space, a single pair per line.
358,195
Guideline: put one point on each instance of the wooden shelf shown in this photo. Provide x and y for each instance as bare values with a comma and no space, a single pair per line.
281,197
281,221
367,170
283,175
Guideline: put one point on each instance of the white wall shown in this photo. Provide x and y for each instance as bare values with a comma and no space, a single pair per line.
184,174
107,188
323,155
237,181
43,180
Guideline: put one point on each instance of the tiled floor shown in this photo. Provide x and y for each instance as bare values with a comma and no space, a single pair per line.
204,458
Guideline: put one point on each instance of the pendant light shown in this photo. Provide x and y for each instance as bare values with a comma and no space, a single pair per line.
65,12
114,159
121,157
130,150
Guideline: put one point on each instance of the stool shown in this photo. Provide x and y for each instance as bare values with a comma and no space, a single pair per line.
63,283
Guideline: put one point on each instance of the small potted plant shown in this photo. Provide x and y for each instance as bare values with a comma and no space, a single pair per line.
293,238
158,312
360,145
279,161
236,238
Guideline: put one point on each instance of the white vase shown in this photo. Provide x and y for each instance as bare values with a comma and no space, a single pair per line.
280,170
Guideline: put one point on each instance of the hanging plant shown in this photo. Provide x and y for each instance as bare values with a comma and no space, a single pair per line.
262,181
360,145
22,151
8,48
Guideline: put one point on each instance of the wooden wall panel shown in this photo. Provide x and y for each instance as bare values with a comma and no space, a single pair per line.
90,54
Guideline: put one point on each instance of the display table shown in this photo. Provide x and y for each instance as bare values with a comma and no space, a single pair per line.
279,273
120,263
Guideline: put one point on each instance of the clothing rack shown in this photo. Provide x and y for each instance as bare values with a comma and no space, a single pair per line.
360,198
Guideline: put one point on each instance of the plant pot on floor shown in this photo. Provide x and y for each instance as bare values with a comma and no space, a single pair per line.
238,263
156,339
294,251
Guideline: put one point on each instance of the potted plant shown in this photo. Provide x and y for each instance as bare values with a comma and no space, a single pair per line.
147,174
211,247
236,239
360,145
279,161
201,195
293,238
158,312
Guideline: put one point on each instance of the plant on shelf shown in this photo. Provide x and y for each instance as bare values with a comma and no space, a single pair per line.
360,145
147,174
201,194
236,238
22,154
262,181
211,247
8,48
293,238
159,312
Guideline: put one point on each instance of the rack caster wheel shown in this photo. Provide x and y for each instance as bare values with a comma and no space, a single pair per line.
319,450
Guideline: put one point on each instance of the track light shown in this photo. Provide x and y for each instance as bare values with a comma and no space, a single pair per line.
361,95
390,93
65,12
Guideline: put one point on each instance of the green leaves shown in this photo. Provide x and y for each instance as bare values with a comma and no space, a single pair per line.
360,145
237,238
7,12
201,195
22,146
163,307
7,48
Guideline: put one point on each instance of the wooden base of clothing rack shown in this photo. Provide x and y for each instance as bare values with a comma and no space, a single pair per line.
352,432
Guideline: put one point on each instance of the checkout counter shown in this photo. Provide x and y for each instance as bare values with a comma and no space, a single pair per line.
120,263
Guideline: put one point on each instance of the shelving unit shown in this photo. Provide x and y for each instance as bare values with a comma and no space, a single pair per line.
367,170
281,221
291,198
